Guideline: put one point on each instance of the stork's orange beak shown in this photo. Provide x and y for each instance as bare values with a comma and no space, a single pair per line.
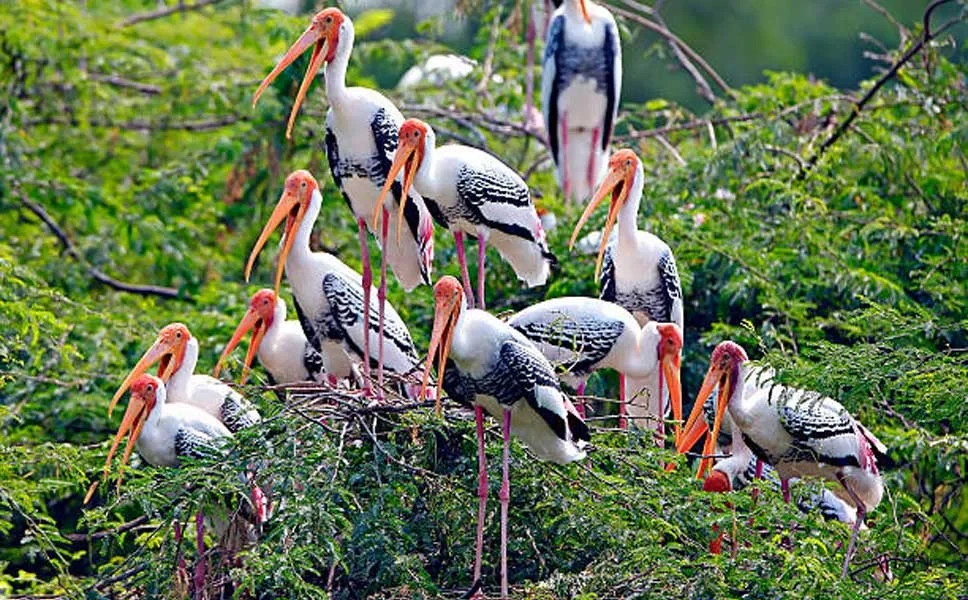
407,158
584,11
252,321
618,182
311,37
165,352
714,376
446,312
139,407
670,371
291,210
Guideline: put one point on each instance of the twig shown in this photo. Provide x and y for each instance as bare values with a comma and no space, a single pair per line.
95,273
164,12
673,38
903,32
926,36
84,537
702,86
792,155
488,66
671,149
118,81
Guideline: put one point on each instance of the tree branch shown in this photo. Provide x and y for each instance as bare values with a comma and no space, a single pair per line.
95,273
144,125
926,36
702,86
118,81
165,11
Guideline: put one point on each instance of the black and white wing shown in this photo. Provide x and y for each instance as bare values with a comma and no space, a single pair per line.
335,166
238,413
822,429
200,439
550,82
525,374
459,388
606,281
313,362
496,197
345,299
664,302
576,342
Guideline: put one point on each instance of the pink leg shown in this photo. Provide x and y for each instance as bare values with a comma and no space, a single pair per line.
462,259
590,175
481,247
759,469
660,427
563,156
200,566
180,565
861,514
481,494
367,284
785,488
622,422
382,299
505,498
580,403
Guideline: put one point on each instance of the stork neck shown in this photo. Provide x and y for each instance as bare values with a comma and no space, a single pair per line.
426,177
628,215
300,250
154,417
573,10
460,347
274,329
647,343
335,70
178,382
739,408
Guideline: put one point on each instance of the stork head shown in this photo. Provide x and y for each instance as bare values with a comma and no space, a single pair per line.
670,358
291,208
414,139
723,372
448,304
168,351
323,35
623,168
146,392
258,319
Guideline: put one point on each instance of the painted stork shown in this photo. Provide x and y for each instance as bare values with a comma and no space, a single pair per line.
799,432
361,137
166,432
587,334
639,271
470,191
486,363
329,295
281,345
176,352
581,82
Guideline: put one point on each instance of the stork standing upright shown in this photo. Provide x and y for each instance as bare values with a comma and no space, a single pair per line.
581,82
470,191
176,352
639,272
583,335
330,297
800,433
361,137
281,345
484,362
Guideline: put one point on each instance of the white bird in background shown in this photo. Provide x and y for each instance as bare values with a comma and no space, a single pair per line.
484,362
581,83
281,345
361,137
176,352
329,295
800,433
470,191
583,335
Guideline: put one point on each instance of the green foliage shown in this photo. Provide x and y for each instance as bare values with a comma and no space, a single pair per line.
140,142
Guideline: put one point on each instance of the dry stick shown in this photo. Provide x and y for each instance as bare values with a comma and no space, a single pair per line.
84,537
165,12
95,273
673,38
926,36
118,81
702,86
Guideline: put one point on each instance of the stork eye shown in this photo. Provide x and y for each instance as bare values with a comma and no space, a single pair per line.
329,19
178,334
628,162
303,185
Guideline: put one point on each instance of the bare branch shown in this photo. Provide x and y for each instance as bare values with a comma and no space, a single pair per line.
118,81
926,36
165,12
702,86
95,273
84,537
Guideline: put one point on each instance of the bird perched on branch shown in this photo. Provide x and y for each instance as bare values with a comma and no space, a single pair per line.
486,363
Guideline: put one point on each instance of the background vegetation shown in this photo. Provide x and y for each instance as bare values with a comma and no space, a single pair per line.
129,155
